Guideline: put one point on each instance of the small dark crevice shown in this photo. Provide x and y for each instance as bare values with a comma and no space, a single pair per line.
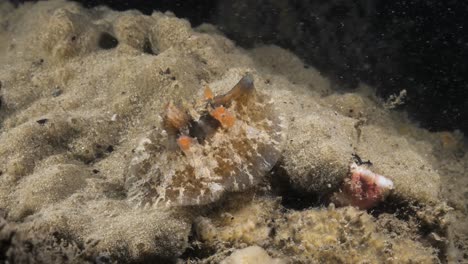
196,251
192,253
110,149
42,121
57,92
107,41
148,48
38,62
291,197
102,259
396,206
90,160
99,152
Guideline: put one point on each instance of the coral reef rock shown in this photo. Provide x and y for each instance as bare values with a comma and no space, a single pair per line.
344,235
103,113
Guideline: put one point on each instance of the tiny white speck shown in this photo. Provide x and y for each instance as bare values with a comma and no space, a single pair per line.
215,187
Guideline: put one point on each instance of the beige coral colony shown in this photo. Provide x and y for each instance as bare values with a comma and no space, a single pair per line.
128,138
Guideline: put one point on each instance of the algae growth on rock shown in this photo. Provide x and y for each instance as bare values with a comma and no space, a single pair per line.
225,143
107,145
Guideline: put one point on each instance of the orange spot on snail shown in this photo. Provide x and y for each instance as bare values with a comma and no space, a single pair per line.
226,118
184,143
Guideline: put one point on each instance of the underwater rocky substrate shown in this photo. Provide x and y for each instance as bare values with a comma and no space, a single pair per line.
100,109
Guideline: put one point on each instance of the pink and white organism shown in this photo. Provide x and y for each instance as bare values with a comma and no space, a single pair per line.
363,189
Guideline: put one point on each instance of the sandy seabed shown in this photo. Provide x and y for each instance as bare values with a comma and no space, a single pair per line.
81,88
